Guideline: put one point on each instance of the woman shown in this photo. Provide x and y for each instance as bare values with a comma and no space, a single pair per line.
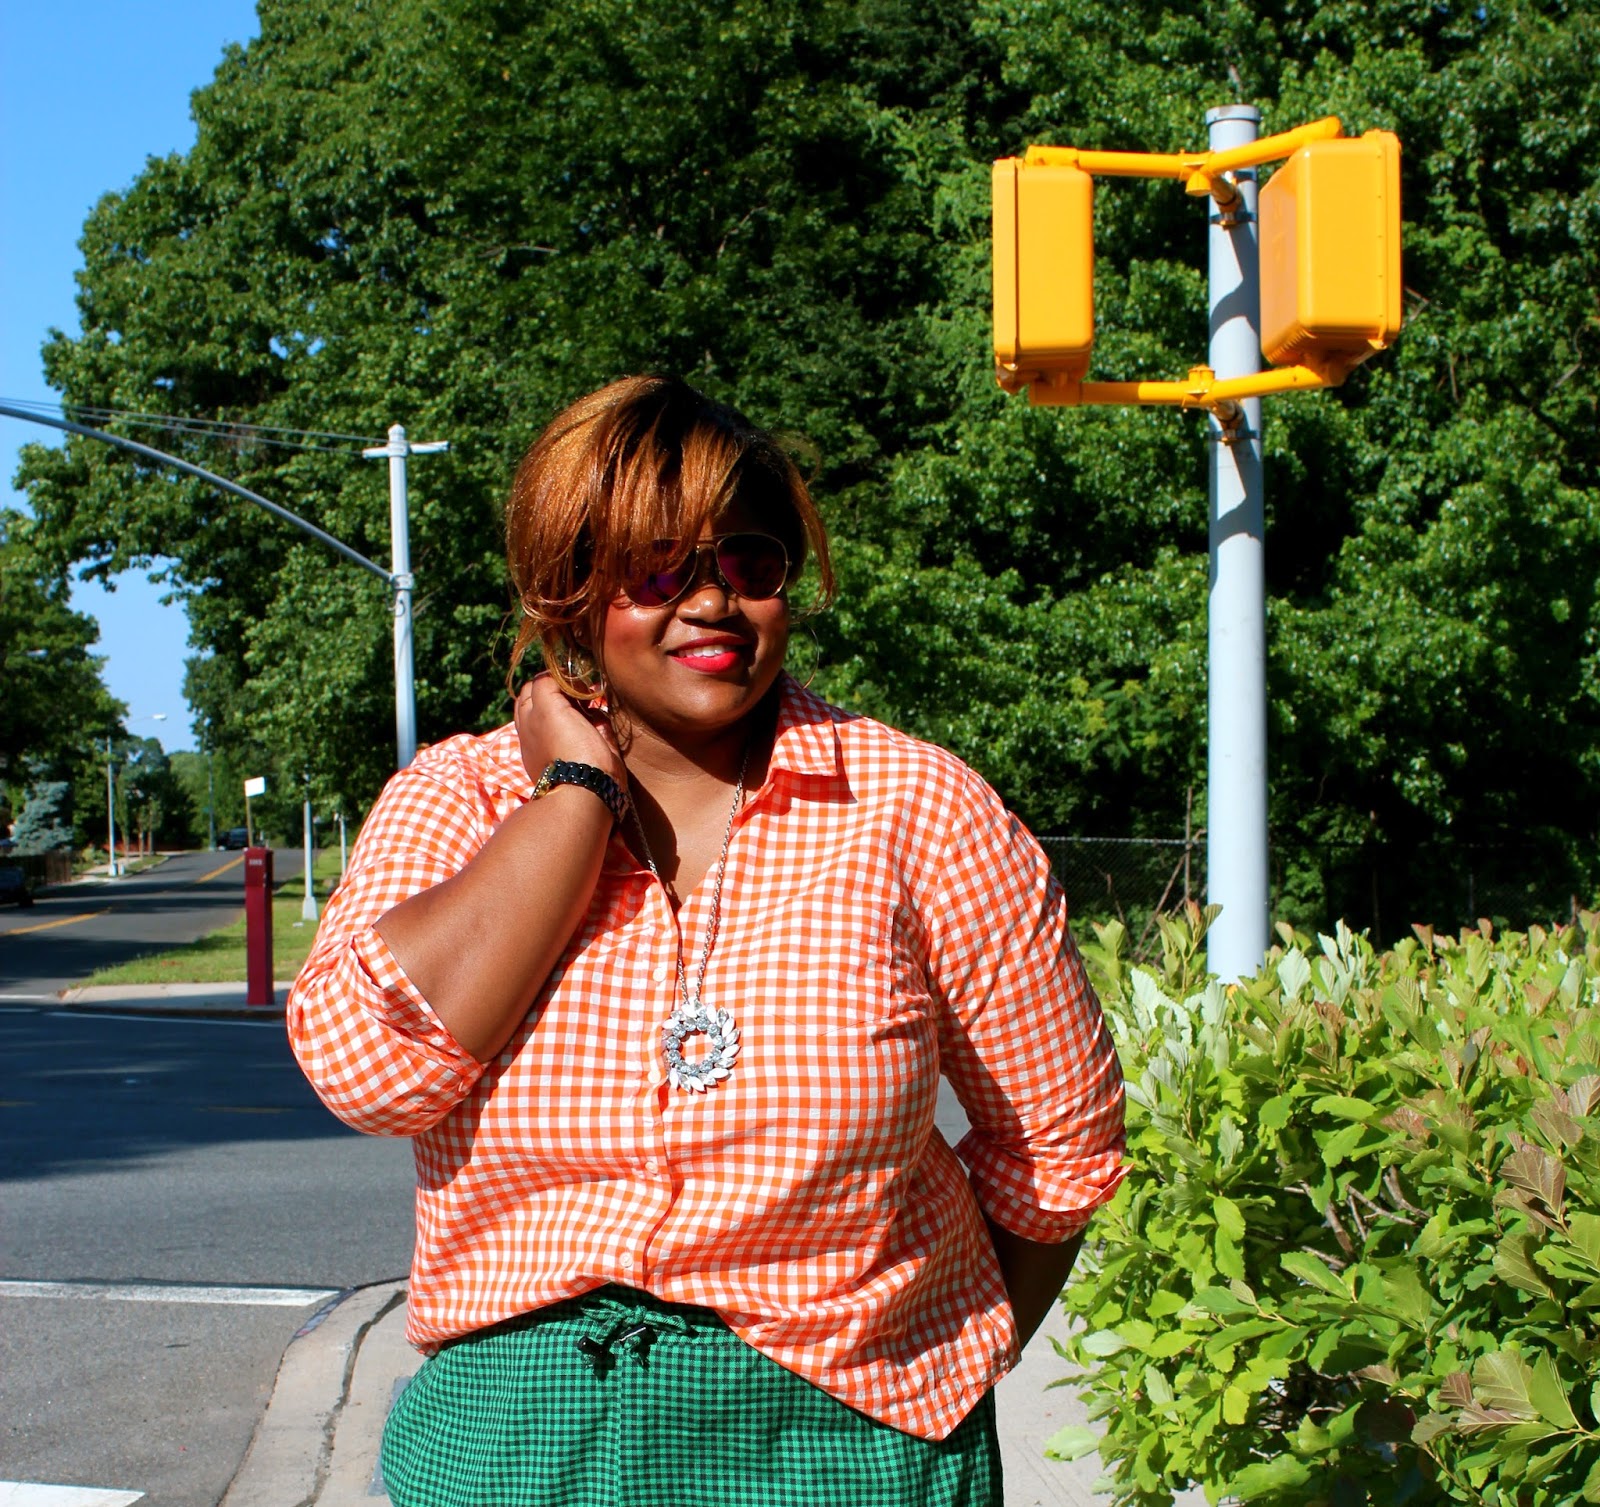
661,978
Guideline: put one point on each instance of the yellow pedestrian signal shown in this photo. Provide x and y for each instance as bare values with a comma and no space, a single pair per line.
1043,273
1330,254
1329,222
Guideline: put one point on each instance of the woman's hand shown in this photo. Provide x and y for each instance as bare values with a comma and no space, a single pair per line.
551,725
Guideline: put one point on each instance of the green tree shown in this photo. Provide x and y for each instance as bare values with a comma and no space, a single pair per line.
212,793
462,214
54,699
150,802
1433,538
45,823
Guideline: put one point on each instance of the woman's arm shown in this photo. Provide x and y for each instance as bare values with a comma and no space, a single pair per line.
461,912
1025,1046
479,945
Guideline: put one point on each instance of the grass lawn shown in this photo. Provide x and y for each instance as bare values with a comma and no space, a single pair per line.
219,958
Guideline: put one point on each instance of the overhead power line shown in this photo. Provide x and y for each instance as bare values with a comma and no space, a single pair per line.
258,434
190,469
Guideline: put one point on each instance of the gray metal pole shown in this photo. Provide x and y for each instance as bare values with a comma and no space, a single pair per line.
111,814
1236,808
405,682
405,692
308,906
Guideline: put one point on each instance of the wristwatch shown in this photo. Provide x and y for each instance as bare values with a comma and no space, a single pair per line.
567,772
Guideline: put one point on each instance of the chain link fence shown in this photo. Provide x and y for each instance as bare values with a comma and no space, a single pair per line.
1129,879
1384,888
1380,888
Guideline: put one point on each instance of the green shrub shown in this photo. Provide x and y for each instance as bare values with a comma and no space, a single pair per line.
1357,1256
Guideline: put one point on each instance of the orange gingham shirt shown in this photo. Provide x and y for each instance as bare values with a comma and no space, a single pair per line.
884,919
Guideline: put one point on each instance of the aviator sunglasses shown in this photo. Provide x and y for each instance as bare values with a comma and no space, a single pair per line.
752,566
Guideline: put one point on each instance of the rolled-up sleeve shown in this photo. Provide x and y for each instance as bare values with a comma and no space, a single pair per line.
1023,1040
364,1036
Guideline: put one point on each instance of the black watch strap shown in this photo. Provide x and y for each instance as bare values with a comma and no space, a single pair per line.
567,772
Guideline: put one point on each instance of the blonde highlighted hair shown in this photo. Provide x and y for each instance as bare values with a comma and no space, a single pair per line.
641,460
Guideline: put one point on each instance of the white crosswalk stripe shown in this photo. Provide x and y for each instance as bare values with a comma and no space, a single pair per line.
37,1494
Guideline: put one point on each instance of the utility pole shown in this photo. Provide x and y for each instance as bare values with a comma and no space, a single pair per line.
1236,802
405,694
114,871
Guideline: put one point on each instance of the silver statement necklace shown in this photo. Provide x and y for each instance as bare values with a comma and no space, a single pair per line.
692,1017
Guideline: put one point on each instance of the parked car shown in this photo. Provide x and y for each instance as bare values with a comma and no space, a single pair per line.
235,837
14,885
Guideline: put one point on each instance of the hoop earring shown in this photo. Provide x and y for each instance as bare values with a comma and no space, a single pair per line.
815,657
584,674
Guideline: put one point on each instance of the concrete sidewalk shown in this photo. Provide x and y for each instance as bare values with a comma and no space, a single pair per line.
318,1442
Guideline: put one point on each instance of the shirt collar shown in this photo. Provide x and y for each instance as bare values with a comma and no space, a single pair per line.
806,742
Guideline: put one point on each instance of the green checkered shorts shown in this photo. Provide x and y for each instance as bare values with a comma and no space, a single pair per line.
616,1399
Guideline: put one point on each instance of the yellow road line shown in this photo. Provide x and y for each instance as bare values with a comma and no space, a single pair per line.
19,931
64,921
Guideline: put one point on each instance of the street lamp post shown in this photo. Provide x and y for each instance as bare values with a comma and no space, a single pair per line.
399,579
111,813
111,798
308,906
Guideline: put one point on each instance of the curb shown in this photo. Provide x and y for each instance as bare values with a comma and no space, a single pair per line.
319,1402
172,1012
223,1001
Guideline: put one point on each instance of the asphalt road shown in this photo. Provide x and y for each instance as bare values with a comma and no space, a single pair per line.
176,1204
73,929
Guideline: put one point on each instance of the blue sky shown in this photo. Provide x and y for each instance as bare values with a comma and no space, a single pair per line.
87,93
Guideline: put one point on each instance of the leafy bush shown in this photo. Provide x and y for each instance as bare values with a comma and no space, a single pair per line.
1358,1256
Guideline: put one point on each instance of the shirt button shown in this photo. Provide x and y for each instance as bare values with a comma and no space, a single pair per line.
660,975
627,1260
652,1165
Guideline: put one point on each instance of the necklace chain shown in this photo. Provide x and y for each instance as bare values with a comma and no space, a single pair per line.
715,917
